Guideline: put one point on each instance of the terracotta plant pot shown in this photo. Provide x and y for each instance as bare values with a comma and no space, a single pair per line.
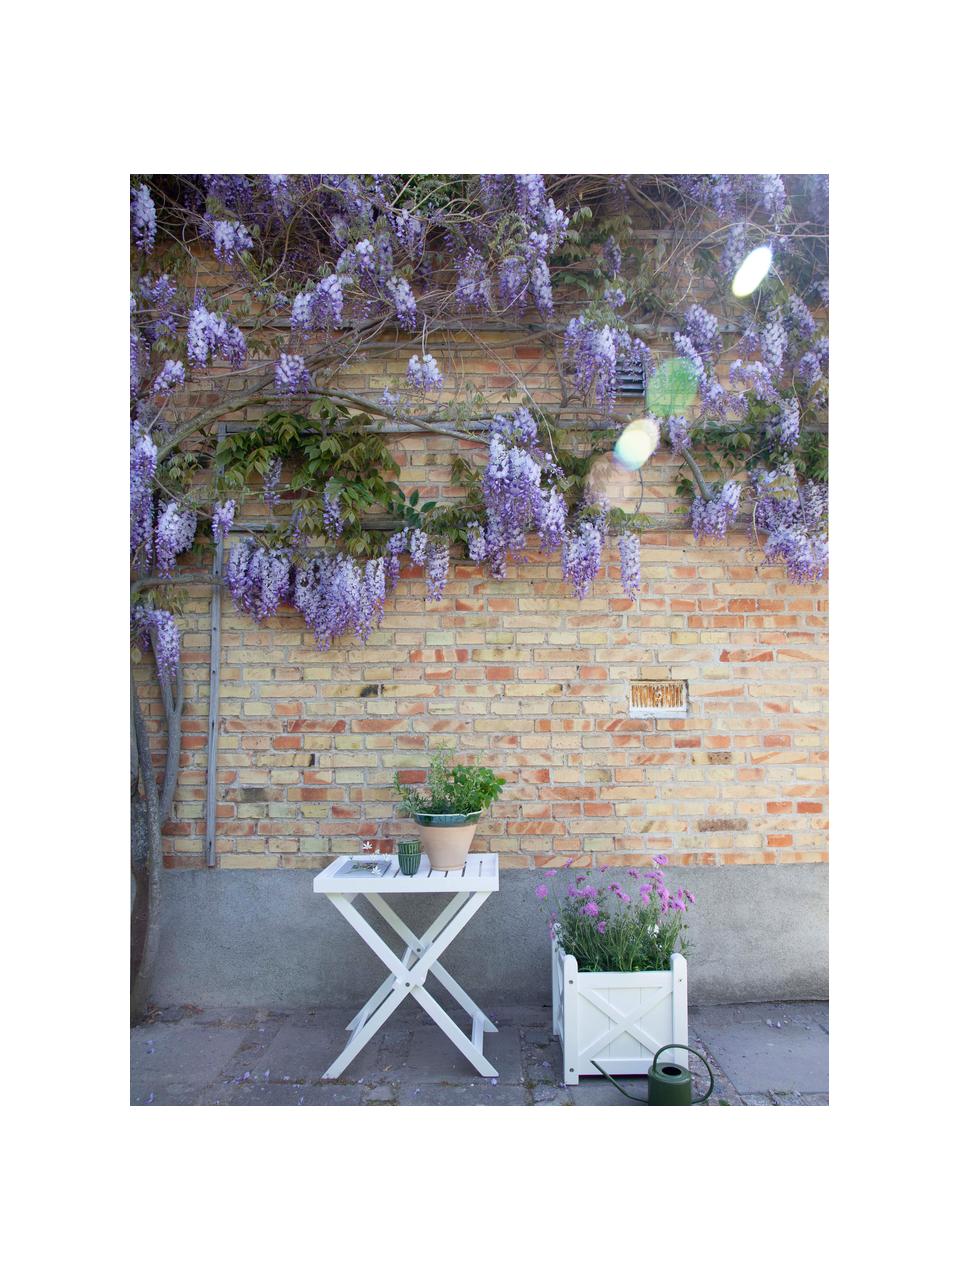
446,838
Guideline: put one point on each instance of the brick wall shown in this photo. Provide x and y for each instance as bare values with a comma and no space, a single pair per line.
520,675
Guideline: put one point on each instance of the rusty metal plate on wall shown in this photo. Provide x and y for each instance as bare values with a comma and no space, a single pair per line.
658,699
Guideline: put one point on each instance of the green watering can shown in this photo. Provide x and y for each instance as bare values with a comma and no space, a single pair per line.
669,1085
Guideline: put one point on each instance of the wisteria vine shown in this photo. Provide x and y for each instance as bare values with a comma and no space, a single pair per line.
332,254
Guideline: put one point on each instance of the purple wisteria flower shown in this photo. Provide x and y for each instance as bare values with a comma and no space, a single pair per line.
143,218
229,239
734,249
702,329
756,376
476,543
279,187
405,304
799,320
157,628
794,517
474,286
271,484
786,426
580,559
424,375
808,369
629,545
396,545
438,566
418,546
773,342
320,307
592,351
258,578
290,375
170,376
210,335
223,517
678,430
332,516
711,519
176,529
513,495
612,257
143,465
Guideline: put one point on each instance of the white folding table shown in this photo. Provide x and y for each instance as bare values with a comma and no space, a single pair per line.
470,887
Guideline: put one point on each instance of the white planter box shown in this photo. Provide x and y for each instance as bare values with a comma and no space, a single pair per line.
619,1019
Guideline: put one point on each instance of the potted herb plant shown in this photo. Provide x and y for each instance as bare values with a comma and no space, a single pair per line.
619,972
450,808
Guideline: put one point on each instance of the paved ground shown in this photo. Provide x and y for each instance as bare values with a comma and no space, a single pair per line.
761,1055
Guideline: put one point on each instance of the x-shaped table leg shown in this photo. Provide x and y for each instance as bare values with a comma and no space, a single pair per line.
408,975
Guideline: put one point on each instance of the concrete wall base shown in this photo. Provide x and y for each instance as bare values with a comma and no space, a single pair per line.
263,938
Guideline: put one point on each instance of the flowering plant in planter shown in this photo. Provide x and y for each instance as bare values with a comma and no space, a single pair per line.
449,811
619,974
611,927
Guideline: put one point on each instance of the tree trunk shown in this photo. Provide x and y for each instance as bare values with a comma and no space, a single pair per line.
148,811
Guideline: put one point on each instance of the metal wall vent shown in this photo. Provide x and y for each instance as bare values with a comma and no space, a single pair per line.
658,699
631,380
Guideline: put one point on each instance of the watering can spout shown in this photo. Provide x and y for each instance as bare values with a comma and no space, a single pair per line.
669,1085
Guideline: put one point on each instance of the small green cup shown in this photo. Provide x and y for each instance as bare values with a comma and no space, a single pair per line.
408,855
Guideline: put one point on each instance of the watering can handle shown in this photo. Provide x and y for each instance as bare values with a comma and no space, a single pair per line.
663,1048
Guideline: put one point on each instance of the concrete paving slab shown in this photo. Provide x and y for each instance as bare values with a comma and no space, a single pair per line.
432,1058
171,1053
303,1054
284,1095
766,1047
482,1094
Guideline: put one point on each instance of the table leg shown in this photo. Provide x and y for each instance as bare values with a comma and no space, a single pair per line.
417,946
408,980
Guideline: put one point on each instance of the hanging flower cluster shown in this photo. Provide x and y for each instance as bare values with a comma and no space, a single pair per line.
143,218
271,484
229,239
332,515
794,516
176,530
209,336
514,496
582,549
320,307
157,628
259,578
593,350
424,375
629,545
711,518
170,376
290,375
143,465
224,515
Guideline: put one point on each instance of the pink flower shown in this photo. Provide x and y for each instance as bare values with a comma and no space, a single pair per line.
601,926
568,864
588,891
689,896
589,909
541,891
552,872
659,860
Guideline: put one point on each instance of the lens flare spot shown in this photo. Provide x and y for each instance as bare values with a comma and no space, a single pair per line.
636,444
752,271
672,388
